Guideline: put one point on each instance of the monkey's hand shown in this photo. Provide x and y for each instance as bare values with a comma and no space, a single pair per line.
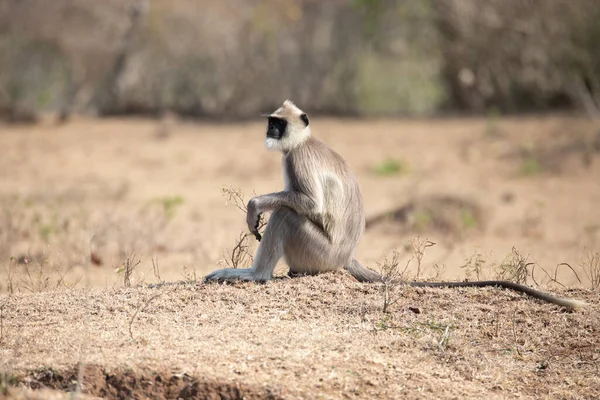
253,218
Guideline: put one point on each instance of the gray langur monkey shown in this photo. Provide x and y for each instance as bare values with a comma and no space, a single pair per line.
318,218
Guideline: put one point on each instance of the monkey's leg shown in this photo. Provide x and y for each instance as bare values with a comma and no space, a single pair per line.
304,246
269,252
284,224
289,234
308,251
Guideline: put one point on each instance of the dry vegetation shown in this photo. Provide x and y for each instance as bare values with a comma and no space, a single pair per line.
318,337
104,238
360,57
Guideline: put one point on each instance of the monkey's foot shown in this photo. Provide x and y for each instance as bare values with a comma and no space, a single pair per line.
234,274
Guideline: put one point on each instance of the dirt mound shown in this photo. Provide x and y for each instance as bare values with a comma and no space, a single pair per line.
129,384
447,214
301,338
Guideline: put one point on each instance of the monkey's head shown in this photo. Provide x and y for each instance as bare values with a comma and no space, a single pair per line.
287,127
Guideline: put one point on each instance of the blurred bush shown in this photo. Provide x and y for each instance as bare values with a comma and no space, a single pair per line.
235,59
518,55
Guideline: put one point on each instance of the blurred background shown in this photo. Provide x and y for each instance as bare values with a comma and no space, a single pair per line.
230,60
472,123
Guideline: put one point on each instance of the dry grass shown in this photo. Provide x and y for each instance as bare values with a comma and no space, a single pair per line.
130,262
322,336
240,254
156,270
70,216
514,268
394,273
392,276
591,268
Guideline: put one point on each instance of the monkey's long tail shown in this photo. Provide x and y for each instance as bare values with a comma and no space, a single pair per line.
569,303
363,274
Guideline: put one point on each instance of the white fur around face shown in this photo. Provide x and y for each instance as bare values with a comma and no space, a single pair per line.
293,138
272,144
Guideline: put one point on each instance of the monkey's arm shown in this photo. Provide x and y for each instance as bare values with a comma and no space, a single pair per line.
303,192
299,202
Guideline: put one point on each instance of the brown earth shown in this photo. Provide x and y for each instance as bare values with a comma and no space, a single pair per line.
80,199
473,185
312,337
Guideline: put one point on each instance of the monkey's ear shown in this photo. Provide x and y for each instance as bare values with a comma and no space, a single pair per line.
304,118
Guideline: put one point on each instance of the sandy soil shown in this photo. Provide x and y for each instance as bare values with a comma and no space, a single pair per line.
102,186
312,337
79,200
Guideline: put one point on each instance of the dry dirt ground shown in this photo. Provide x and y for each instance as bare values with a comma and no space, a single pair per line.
500,197
311,337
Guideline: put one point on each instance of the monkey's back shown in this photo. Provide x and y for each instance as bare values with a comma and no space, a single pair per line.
319,172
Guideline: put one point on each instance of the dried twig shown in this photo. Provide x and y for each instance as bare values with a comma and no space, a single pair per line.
591,268
419,246
156,269
392,278
37,281
237,198
189,276
439,270
555,277
62,274
474,265
515,267
240,254
2,321
444,340
10,286
127,268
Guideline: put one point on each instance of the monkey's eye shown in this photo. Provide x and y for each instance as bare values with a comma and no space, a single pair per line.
304,119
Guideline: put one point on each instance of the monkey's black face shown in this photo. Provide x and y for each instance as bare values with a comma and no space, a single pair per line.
276,127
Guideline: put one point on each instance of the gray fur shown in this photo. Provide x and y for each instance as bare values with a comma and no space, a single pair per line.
317,220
